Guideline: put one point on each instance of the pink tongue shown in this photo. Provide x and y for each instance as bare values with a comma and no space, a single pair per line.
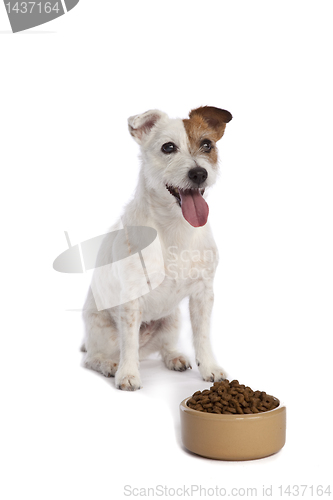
195,209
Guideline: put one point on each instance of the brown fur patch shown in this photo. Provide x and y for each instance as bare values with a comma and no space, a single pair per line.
215,117
206,123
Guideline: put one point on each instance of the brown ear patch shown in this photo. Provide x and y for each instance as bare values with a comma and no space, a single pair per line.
216,118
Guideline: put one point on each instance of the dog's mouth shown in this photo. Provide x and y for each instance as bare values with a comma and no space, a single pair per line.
194,207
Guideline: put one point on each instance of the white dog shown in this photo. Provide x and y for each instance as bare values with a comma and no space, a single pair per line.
179,161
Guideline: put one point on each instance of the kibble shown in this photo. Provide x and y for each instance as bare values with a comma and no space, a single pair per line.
231,398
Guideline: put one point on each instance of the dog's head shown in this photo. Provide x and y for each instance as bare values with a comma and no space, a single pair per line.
180,158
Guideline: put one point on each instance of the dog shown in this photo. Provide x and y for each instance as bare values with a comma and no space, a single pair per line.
179,163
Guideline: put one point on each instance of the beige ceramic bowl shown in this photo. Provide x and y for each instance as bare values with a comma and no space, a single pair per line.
233,437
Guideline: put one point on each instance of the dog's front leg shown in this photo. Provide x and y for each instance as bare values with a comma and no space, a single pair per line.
201,304
129,320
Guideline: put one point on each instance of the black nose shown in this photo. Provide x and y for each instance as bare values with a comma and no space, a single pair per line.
198,175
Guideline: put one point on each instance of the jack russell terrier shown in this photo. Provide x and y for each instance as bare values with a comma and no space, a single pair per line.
179,162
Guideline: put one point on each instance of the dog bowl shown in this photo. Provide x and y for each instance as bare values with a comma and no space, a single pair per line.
233,437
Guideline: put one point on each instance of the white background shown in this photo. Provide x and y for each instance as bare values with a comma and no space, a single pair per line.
68,163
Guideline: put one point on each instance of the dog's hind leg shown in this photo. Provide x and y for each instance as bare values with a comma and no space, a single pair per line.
168,337
102,347
101,342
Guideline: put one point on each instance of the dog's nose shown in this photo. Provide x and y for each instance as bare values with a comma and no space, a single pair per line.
198,175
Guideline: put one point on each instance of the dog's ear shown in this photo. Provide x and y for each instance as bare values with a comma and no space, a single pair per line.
216,118
140,126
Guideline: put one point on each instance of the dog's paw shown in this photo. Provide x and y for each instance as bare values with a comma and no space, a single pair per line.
212,373
128,381
177,362
109,368
106,367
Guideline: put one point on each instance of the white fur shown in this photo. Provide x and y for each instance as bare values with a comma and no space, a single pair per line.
117,338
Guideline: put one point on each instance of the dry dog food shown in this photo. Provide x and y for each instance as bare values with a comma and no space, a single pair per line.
231,398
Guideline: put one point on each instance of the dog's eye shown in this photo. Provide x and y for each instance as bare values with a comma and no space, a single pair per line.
207,145
169,147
